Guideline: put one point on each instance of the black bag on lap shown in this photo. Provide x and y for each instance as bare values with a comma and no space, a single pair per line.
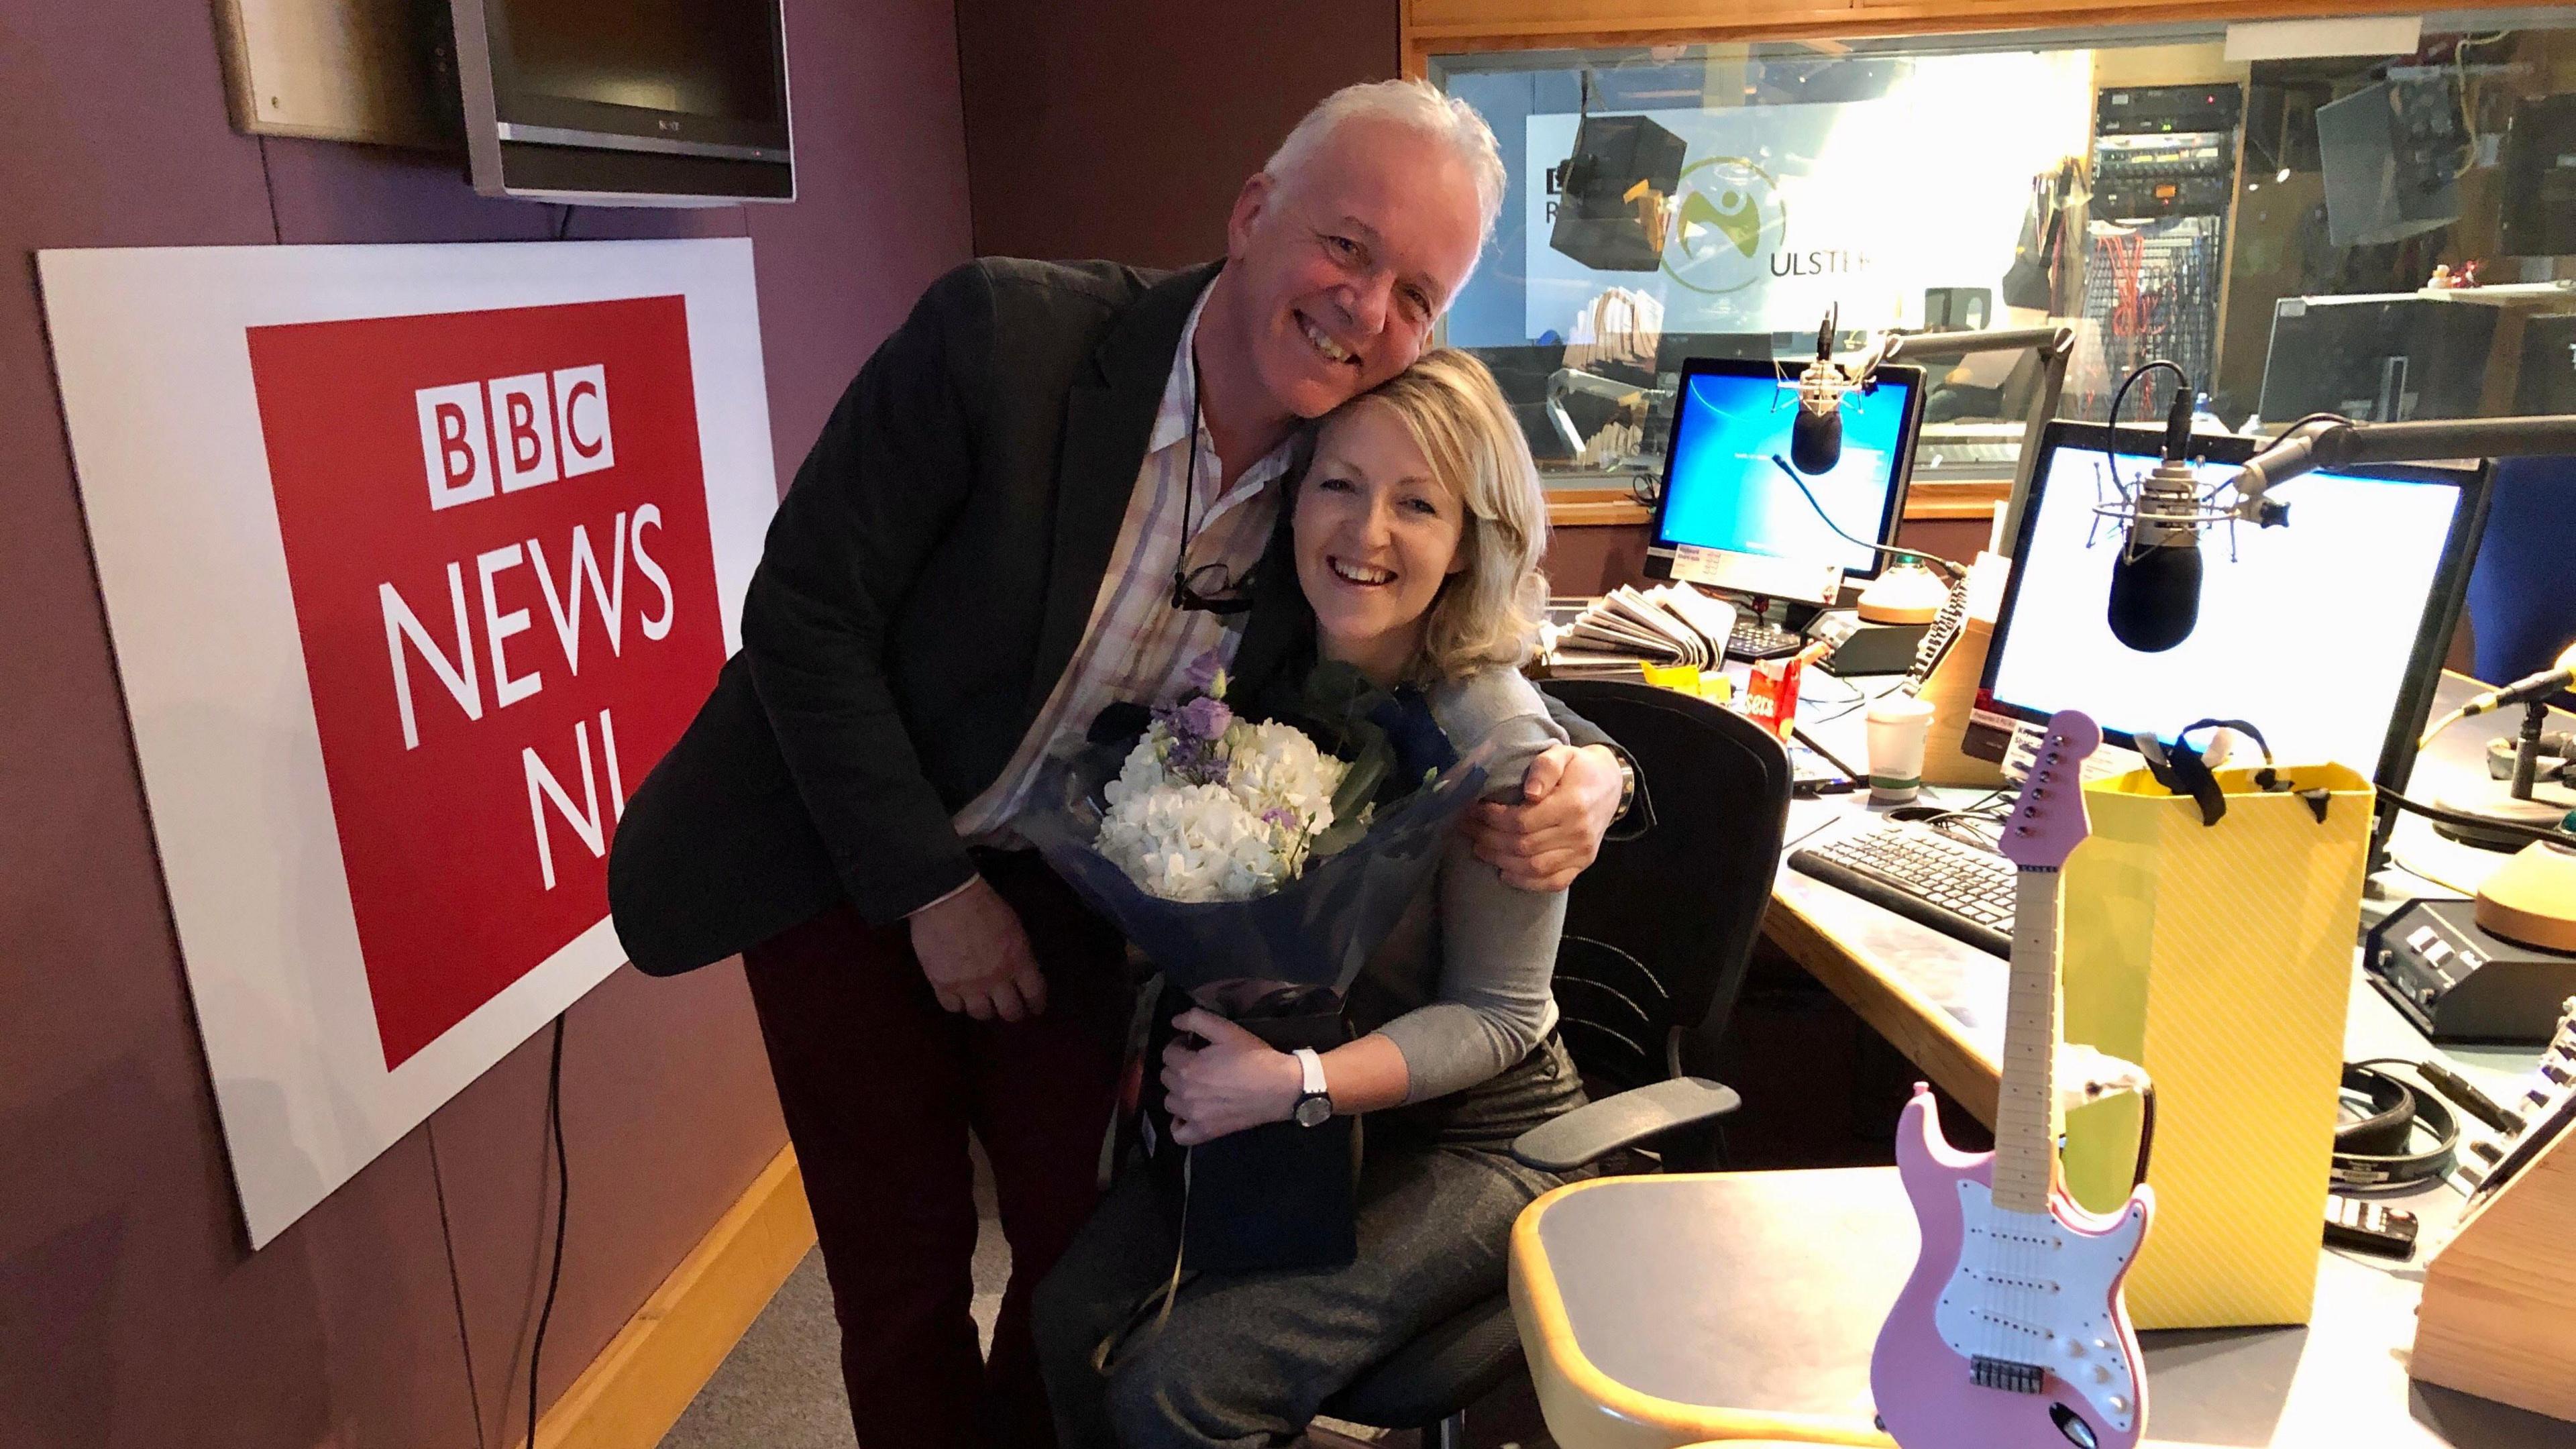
1269,1197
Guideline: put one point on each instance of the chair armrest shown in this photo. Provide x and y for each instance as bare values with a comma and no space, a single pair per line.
1597,1129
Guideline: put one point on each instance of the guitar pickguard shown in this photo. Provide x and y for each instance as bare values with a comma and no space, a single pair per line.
2029,1292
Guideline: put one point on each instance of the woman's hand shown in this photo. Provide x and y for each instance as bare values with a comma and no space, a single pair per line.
1236,1081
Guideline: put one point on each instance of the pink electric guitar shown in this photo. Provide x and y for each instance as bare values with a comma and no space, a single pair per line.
2012,1334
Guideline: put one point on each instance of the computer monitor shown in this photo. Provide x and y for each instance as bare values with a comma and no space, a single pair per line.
2376,359
2326,634
2546,380
1674,350
1522,373
1730,519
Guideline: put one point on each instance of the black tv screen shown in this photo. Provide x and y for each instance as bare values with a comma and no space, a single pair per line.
669,102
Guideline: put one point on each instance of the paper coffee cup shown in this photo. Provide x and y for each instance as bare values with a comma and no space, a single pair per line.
1897,727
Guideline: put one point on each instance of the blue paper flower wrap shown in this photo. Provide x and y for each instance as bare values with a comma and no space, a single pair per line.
1316,930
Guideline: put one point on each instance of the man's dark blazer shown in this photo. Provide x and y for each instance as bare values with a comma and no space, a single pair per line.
924,584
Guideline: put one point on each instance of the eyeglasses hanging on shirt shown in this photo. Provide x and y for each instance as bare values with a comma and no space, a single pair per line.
1209,588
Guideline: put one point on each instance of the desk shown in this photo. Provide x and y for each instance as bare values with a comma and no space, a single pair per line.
1663,1311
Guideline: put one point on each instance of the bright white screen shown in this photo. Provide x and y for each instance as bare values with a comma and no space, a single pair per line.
2305,634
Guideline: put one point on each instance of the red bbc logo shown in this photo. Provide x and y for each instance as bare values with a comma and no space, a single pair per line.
513,432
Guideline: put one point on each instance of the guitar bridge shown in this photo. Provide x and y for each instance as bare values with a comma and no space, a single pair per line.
2003,1373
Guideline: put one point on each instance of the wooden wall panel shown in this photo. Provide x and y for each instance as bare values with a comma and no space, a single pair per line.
1448,27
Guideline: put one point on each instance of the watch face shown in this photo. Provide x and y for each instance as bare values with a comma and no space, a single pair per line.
1314,1111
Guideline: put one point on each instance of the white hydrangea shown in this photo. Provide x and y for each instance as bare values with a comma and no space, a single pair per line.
1276,765
1229,842
1192,843
1143,770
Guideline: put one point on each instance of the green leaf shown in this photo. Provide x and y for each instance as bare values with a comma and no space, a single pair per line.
1354,799
1338,698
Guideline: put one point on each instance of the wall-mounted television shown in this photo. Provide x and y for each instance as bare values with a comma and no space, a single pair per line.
643,103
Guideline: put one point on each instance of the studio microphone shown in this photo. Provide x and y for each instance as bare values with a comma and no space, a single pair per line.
2155,582
2547,682
1816,437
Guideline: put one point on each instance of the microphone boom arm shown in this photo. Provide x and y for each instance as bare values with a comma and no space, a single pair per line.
2342,443
1950,346
2055,347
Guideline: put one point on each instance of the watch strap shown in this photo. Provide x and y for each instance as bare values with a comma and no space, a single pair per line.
1310,1066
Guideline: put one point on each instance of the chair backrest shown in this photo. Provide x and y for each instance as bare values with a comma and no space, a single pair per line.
1659,931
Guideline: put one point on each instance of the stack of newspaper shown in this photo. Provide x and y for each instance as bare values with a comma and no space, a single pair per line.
1629,627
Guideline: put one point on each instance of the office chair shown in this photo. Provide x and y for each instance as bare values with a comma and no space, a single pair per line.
1658,935
2522,590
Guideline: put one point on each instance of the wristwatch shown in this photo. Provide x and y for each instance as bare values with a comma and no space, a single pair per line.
1314,1104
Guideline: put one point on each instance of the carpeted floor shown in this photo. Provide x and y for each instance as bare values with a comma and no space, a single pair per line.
780,1388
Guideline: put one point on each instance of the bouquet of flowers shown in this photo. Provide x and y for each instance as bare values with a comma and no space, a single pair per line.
1276,845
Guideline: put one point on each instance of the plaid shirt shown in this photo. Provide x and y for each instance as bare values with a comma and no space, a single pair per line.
1137,647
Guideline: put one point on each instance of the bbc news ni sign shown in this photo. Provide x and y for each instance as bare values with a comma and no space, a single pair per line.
495,530
467,528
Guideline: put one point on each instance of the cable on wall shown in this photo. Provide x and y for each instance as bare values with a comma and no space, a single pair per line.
563,1204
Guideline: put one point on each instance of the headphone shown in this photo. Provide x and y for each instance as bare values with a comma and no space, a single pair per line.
2375,1149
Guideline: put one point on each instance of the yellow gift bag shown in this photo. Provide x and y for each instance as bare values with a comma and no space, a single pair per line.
2220,958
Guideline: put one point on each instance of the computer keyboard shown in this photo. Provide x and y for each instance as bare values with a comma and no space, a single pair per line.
1958,889
1754,639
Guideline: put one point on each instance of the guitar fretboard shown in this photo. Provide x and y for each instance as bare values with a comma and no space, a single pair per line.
2026,1099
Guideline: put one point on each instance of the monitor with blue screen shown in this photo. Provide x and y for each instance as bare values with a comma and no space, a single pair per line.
1731,519
2326,634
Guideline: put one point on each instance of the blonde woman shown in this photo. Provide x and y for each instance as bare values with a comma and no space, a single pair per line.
1416,533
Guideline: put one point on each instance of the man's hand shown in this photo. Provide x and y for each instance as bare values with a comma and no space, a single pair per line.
976,954
1236,1081
1568,799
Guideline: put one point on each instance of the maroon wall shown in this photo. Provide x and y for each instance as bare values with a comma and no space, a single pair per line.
397,1312
1123,128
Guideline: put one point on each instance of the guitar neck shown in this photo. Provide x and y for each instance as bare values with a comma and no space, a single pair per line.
2026,1117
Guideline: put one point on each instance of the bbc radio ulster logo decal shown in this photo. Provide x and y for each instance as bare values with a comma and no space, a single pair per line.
496,537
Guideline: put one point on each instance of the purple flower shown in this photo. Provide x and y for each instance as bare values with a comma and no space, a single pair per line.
1281,816
1205,717
1202,674
1195,761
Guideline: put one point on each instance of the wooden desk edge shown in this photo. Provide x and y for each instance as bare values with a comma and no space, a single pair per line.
1598,507
1570,1384
1914,1025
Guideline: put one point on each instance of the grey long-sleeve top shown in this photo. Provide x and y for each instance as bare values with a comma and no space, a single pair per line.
1461,985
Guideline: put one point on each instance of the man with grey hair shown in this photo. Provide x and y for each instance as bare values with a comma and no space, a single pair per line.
1042,495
